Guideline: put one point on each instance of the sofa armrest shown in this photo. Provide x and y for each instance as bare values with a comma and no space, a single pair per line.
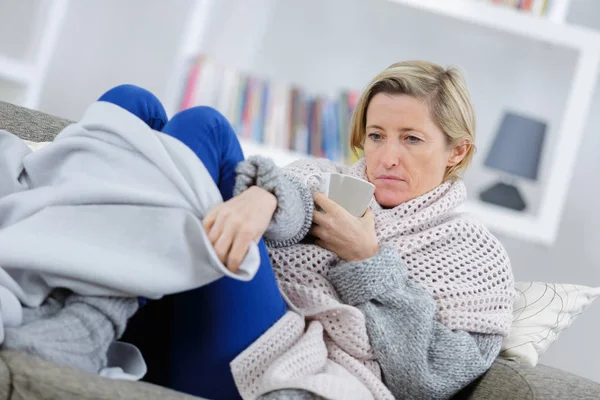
29,124
23,376
512,380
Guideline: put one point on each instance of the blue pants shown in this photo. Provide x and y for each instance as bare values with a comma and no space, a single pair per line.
199,332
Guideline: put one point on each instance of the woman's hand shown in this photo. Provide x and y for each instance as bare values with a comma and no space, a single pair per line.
351,238
234,224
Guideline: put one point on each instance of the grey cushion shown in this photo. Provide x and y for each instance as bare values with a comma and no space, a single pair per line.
33,378
511,380
24,377
28,124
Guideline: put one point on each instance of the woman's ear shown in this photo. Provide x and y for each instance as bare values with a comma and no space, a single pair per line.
458,152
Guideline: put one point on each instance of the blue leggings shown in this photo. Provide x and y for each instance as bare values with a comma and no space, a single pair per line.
199,332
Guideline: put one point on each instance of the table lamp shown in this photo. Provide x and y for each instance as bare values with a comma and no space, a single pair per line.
516,152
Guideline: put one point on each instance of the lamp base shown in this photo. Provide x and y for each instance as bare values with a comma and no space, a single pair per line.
504,195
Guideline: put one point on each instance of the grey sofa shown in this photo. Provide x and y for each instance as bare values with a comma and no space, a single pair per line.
26,377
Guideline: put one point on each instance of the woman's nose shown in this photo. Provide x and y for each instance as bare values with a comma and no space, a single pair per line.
390,157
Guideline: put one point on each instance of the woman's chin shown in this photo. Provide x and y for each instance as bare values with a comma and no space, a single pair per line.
390,198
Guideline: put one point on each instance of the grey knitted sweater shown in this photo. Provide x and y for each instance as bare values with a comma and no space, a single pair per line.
419,357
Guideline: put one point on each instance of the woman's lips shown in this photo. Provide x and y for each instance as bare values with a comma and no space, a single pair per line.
389,179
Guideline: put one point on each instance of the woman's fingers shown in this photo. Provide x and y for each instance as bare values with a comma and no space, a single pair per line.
318,231
319,217
328,205
217,227
238,251
223,245
209,220
369,216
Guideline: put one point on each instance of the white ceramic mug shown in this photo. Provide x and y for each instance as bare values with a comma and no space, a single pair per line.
353,194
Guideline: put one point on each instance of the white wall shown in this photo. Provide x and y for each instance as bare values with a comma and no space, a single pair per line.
107,42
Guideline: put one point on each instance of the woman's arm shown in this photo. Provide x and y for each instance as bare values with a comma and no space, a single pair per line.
293,217
420,358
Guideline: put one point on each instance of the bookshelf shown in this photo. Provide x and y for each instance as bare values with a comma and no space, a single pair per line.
29,30
484,30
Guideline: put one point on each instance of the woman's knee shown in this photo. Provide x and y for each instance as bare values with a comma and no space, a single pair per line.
138,101
205,124
208,134
205,119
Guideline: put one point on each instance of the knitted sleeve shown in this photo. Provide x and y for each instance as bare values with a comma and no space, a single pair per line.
420,358
75,333
293,216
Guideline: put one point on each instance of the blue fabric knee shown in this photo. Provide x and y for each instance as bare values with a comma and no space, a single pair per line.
211,325
208,133
140,102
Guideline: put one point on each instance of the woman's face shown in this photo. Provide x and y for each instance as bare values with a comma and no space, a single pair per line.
406,153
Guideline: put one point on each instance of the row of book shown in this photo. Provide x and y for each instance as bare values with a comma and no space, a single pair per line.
275,114
553,9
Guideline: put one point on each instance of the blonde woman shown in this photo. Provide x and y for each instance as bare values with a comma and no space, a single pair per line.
410,301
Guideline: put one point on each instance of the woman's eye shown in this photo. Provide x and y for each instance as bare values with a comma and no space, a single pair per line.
413,139
375,137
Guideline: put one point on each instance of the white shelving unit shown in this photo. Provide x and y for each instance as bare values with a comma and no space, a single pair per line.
22,78
509,20
542,226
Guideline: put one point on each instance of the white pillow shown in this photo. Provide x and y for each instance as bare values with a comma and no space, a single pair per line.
541,312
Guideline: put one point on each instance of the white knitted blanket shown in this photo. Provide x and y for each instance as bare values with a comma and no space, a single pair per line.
322,346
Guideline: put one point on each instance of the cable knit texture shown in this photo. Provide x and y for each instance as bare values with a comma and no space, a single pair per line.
452,258
76,331
293,216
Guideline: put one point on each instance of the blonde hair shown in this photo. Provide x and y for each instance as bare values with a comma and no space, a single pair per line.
446,95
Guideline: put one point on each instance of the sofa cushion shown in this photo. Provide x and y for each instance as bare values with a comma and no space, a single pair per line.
28,124
512,380
25,377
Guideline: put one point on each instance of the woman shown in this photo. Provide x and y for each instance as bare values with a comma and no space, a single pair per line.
409,301
434,288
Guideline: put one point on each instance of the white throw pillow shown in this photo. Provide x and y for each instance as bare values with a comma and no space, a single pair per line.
541,312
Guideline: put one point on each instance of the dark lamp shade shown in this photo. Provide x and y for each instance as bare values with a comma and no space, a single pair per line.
517,147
